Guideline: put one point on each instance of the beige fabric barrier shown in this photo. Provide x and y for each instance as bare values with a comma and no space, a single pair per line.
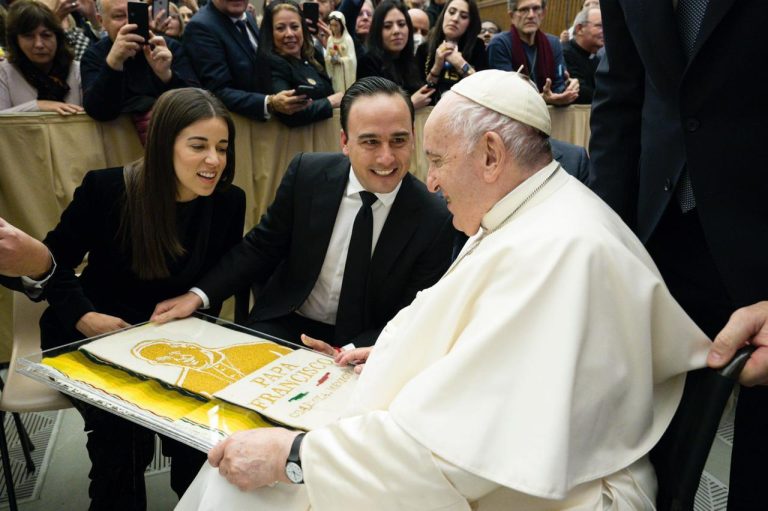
43,158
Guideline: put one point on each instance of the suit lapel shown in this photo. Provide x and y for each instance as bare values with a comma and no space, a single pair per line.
249,19
326,199
716,9
398,229
229,27
659,30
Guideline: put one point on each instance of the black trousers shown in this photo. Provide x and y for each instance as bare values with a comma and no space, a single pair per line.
120,452
679,248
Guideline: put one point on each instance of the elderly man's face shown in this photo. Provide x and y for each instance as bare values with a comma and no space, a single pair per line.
363,22
590,35
113,16
453,168
527,16
232,8
379,141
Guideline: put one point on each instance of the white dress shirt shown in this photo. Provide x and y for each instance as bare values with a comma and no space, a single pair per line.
323,301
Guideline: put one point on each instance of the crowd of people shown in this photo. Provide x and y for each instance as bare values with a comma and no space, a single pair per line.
296,69
450,298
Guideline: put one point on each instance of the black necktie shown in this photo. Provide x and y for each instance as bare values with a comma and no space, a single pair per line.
690,14
243,29
350,316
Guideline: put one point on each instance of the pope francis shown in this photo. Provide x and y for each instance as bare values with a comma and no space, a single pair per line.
537,374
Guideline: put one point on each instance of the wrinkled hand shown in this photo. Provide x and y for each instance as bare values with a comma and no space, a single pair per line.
568,96
159,57
287,102
176,308
94,323
422,97
748,325
58,107
254,458
565,36
21,254
64,8
127,44
356,357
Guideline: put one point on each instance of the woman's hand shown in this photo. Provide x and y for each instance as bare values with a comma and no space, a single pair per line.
93,324
318,345
58,107
159,22
456,59
287,102
422,97
442,53
335,99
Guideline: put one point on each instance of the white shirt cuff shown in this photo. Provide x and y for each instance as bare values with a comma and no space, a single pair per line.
34,288
267,116
204,297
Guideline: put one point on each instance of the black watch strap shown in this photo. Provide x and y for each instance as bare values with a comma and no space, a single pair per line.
296,449
293,469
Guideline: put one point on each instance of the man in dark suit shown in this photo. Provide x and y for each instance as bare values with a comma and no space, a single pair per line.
221,41
677,137
302,250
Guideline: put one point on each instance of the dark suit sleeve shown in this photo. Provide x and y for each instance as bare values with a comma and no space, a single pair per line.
256,257
283,79
12,283
183,74
206,52
616,114
558,82
103,87
427,270
75,234
368,66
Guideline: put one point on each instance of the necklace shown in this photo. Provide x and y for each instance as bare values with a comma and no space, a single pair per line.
503,222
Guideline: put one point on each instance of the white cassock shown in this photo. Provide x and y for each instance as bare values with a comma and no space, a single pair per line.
536,375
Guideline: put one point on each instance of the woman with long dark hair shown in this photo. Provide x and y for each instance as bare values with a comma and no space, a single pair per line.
40,74
390,52
151,229
293,62
453,49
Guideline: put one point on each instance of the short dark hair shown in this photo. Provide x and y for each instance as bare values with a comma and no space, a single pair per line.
148,220
371,86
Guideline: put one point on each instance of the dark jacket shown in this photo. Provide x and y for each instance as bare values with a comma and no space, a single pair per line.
208,228
288,73
108,93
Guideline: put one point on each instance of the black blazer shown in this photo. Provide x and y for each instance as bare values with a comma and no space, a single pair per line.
654,112
288,73
225,64
286,250
209,227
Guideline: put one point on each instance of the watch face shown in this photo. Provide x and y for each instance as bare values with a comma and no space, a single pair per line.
294,472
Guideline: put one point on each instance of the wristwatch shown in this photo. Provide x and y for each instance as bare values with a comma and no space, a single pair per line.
293,464
465,68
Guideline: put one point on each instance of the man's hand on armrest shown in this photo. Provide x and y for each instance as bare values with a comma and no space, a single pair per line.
175,308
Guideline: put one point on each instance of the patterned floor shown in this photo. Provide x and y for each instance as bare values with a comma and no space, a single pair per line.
42,428
713,488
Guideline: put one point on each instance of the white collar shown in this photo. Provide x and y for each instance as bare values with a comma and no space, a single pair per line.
354,187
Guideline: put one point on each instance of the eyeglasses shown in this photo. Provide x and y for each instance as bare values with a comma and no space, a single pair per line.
596,25
489,30
535,9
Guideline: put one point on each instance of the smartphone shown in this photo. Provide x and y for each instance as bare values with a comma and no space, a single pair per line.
310,91
138,14
311,12
160,5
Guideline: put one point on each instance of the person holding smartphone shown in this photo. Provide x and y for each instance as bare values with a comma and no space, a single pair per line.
295,64
126,73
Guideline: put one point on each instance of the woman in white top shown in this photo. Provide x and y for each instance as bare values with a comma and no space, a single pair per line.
39,74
